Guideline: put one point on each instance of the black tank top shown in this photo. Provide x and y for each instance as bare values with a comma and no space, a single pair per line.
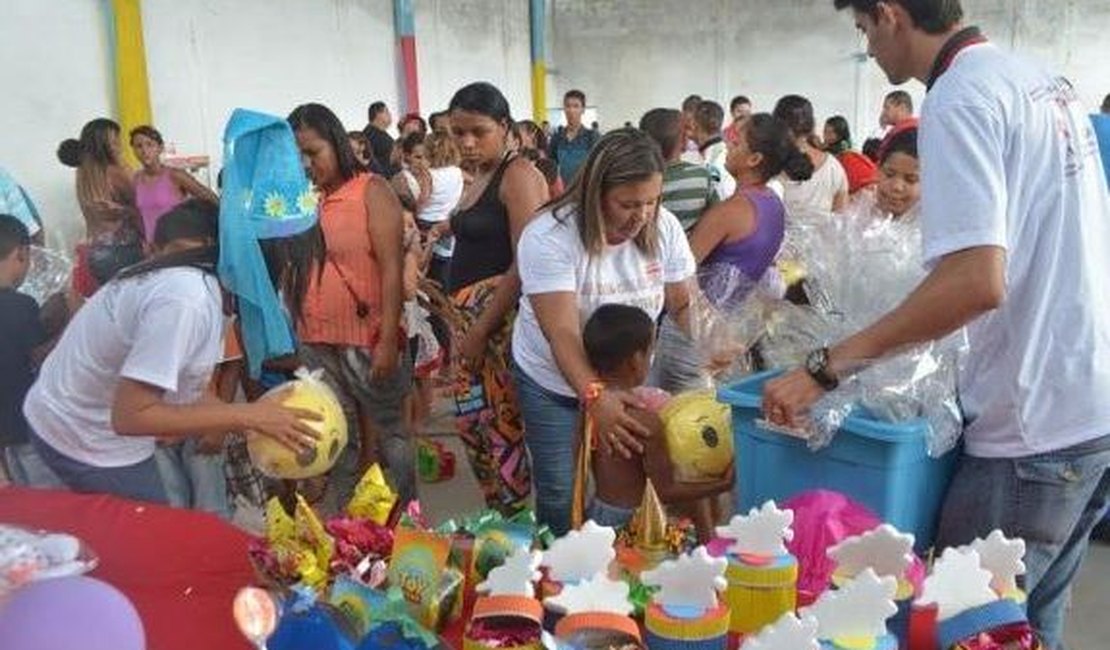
483,240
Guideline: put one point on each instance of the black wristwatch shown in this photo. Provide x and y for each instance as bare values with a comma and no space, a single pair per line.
817,366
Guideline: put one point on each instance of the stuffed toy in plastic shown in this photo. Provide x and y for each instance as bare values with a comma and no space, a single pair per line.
309,392
699,436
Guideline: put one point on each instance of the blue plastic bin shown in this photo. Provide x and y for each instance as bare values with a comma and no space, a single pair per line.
882,465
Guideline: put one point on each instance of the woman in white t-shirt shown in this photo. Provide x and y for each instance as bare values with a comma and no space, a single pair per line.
827,190
134,365
606,240
435,215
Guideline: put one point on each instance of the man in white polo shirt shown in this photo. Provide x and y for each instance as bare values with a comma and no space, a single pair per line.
1016,232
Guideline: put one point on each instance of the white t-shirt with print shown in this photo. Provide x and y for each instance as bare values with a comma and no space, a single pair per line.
816,195
553,260
164,329
1009,159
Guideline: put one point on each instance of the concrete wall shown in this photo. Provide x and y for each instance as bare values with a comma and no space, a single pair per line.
55,77
460,41
206,57
629,57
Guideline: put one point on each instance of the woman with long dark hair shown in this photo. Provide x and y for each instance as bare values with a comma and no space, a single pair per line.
826,191
351,324
133,366
736,241
106,196
860,170
484,283
606,240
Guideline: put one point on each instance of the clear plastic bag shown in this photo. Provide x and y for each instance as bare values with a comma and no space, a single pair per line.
728,315
859,265
27,555
49,274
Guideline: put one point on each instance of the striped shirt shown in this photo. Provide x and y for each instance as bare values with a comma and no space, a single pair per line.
688,190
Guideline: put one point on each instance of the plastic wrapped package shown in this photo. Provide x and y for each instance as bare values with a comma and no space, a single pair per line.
791,332
859,266
307,391
716,346
728,316
49,274
26,556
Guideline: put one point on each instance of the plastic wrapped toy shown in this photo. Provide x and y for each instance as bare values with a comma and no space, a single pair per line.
308,392
49,274
698,429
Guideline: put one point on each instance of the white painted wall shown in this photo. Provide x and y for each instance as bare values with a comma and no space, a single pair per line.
630,57
205,57
462,41
54,76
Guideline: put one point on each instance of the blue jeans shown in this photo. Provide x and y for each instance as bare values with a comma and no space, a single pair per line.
1053,501
606,514
550,432
26,468
140,482
193,480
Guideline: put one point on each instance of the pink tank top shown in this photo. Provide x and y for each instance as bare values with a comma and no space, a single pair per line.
155,198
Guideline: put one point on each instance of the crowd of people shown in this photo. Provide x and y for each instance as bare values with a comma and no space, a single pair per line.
537,275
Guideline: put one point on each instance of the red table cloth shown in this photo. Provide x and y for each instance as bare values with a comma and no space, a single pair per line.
180,568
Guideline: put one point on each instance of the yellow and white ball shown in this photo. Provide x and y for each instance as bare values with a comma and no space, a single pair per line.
698,429
278,461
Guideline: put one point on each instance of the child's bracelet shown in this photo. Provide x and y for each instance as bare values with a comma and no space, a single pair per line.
592,393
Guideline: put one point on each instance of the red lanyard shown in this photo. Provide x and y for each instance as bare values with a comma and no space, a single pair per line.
962,40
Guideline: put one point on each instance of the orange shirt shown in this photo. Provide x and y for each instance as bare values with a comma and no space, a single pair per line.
350,269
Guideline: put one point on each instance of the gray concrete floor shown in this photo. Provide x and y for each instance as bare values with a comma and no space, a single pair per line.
1088,621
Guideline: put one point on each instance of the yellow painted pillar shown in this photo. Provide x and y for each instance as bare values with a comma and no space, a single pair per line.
129,60
537,26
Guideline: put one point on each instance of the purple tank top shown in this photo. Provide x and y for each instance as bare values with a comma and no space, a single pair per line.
155,198
751,256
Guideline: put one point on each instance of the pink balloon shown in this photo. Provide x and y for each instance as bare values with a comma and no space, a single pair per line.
74,613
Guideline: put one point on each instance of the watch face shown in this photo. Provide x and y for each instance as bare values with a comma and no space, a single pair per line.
815,362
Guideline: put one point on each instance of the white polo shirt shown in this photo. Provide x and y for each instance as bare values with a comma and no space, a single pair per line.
1009,159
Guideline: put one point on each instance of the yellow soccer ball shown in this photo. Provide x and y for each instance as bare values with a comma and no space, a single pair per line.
698,429
277,461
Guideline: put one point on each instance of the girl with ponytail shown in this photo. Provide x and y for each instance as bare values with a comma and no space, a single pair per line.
826,191
104,189
106,196
735,241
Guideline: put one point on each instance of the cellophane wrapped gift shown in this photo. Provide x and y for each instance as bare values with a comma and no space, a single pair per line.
859,265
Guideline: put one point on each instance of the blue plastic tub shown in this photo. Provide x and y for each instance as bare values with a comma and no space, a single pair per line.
882,465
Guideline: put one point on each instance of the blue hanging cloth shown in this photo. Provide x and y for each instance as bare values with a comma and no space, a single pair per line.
266,195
